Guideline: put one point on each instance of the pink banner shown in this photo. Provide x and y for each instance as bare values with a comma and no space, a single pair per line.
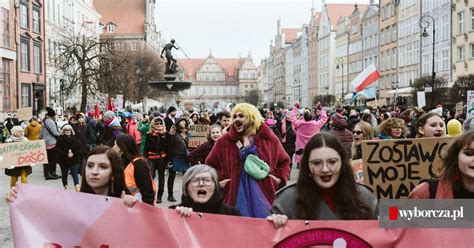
43,217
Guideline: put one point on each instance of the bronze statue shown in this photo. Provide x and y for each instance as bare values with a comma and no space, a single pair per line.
171,66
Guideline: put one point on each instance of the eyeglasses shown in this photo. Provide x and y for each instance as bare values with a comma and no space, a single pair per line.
205,180
332,164
357,132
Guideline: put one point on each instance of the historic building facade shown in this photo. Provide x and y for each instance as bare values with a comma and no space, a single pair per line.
8,58
217,80
463,39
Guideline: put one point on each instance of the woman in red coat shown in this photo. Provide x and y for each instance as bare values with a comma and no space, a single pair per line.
247,129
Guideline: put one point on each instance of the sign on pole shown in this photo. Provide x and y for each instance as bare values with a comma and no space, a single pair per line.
24,114
459,106
392,168
102,98
421,100
18,154
197,135
118,103
470,103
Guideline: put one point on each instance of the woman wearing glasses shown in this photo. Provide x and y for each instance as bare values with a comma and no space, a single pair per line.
326,188
362,131
202,193
392,128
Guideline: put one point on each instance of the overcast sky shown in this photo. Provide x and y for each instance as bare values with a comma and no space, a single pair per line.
230,28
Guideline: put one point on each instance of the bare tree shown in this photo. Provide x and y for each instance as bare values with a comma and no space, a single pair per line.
79,59
253,97
128,73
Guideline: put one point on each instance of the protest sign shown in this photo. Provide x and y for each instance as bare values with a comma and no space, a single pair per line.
459,106
102,99
357,168
101,218
375,103
118,102
421,98
392,168
26,153
197,135
24,114
470,103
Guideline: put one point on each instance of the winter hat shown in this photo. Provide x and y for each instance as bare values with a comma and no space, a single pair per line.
171,109
454,128
339,121
16,129
67,126
50,112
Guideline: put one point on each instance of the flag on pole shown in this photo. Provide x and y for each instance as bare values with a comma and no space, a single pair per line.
96,110
365,78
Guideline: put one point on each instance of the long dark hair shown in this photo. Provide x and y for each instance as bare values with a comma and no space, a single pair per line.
128,146
117,182
450,168
347,198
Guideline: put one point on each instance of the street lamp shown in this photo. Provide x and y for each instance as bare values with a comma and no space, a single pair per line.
61,89
395,87
425,23
339,61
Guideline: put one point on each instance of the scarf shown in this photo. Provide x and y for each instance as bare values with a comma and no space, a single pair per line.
212,206
251,201
283,130
114,122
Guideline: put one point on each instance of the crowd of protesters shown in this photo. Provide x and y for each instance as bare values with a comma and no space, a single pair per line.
245,164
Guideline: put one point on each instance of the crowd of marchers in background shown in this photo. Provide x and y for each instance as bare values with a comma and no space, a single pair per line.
244,166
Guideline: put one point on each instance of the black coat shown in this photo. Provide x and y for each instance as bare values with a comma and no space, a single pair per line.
157,145
81,134
64,144
215,205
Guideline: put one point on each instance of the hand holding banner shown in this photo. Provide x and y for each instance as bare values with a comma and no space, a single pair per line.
70,219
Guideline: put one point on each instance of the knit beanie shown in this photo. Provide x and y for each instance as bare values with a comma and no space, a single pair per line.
454,128
50,112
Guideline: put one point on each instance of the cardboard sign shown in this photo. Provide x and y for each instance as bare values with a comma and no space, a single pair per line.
392,168
101,218
18,154
197,135
375,103
421,98
470,103
459,106
358,169
102,99
24,114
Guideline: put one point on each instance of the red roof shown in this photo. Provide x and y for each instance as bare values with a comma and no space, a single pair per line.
133,22
335,11
229,65
291,34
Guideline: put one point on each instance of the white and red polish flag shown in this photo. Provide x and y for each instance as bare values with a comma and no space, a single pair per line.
365,78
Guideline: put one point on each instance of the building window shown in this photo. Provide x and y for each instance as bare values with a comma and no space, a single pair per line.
472,50
36,20
460,22
37,58
472,18
5,84
460,51
111,28
134,46
25,95
25,55
23,15
4,15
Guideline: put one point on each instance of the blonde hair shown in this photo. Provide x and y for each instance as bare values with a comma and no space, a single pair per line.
367,133
251,113
386,126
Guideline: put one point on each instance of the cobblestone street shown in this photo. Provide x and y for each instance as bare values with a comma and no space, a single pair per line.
36,178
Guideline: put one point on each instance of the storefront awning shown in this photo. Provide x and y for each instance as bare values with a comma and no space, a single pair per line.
407,91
